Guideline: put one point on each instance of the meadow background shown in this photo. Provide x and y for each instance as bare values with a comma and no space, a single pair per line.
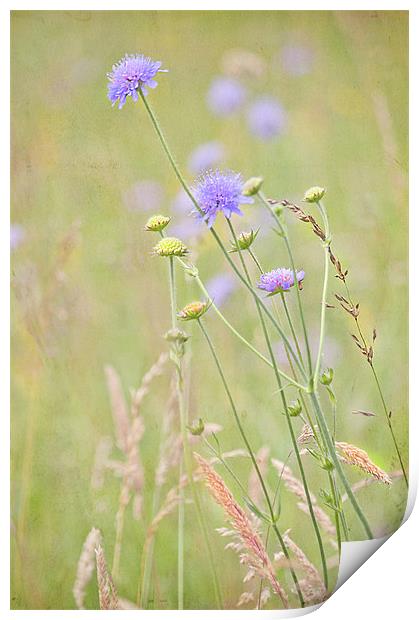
87,292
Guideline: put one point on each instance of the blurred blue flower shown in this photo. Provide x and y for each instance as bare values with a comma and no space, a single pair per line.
277,280
206,156
297,59
144,196
219,192
220,287
132,72
225,96
266,118
17,235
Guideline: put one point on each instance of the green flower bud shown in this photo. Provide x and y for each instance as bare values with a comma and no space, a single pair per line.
194,310
326,377
327,464
156,223
170,246
197,427
314,194
294,408
252,186
244,241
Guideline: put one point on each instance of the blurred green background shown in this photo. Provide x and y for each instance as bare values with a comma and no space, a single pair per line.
87,292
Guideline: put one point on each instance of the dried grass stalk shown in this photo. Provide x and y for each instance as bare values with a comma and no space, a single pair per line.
119,407
85,566
352,455
312,585
256,557
108,597
296,487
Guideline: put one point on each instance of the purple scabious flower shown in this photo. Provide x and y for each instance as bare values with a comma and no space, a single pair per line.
219,192
220,287
266,118
277,280
225,96
132,72
205,156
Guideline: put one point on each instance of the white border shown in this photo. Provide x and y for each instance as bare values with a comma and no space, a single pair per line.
395,565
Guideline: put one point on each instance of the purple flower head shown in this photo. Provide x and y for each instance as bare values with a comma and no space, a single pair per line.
278,280
220,287
219,192
132,72
205,156
266,118
297,59
225,96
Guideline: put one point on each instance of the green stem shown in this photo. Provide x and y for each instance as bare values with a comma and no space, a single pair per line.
380,391
188,467
324,294
188,191
289,422
336,462
251,454
291,257
234,331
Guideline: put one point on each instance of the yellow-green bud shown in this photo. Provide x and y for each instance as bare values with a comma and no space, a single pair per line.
170,246
244,241
252,186
314,194
156,223
294,408
194,310
197,427
326,377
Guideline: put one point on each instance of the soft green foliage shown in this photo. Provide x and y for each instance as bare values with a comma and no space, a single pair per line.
87,291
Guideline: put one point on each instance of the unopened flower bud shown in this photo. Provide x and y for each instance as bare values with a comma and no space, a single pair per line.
194,310
294,408
197,427
156,223
314,194
244,241
326,377
170,246
252,186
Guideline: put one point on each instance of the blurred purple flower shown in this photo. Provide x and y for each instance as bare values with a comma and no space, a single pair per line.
266,118
206,156
225,96
17,236
132,72
219,192
144,196
277,280
297,59
220,287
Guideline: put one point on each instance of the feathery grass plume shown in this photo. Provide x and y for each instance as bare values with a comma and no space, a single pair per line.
255,555
366,482
86,566
312,585
352,455
101,462
245,597
118,406
295,486
108,597
306,434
